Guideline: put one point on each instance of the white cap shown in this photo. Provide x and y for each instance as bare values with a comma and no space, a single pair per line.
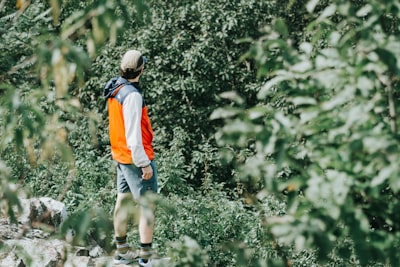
132,59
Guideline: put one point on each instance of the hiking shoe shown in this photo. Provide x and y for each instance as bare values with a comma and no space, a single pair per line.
145,264
125,258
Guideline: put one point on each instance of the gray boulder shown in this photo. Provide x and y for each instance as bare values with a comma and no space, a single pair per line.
42,211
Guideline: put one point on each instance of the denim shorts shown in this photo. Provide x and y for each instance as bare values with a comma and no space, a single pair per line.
129,179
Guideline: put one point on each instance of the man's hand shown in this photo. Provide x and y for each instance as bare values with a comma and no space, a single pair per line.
147,172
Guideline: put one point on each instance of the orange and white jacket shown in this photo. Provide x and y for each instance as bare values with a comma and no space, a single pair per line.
131,134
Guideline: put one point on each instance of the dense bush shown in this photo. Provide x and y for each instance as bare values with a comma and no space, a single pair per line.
328,130
193,53
315,147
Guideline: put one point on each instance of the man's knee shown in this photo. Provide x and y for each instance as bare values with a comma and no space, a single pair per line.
123,200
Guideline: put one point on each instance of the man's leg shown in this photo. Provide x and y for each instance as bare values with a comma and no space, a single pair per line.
124,209
138,188
146,224
146,230
122,213
146,219
128,185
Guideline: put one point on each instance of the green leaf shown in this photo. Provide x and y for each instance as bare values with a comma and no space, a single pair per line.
389,59
382,176
301,101
266,88
281,28
327,12
364,11
232,95
224,113
311,5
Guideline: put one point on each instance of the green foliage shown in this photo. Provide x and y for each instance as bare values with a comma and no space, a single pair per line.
8,195
188,253
171,166
187,68
328,130
193,55
322,129
220,227
42,63
87,226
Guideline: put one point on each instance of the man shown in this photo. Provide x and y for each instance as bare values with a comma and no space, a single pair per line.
131,138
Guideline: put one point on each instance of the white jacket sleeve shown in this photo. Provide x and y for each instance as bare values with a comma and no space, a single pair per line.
132,111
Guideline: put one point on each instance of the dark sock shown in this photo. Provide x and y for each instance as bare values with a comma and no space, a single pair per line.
145,251
122,245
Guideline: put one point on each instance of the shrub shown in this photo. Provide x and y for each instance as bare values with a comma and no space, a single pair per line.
221,227
325,131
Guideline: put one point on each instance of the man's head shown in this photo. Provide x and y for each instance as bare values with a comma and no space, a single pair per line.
132,64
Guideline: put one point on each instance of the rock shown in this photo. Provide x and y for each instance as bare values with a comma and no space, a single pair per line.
80,261
82,252
106,262
39,211
96,252
27,244
57,210
8,231
42,253
12,262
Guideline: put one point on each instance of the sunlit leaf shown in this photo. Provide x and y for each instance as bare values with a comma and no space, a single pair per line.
328,12
265,89
232,95
223,113
311,5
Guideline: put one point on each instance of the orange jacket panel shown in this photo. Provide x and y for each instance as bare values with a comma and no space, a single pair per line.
119,149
